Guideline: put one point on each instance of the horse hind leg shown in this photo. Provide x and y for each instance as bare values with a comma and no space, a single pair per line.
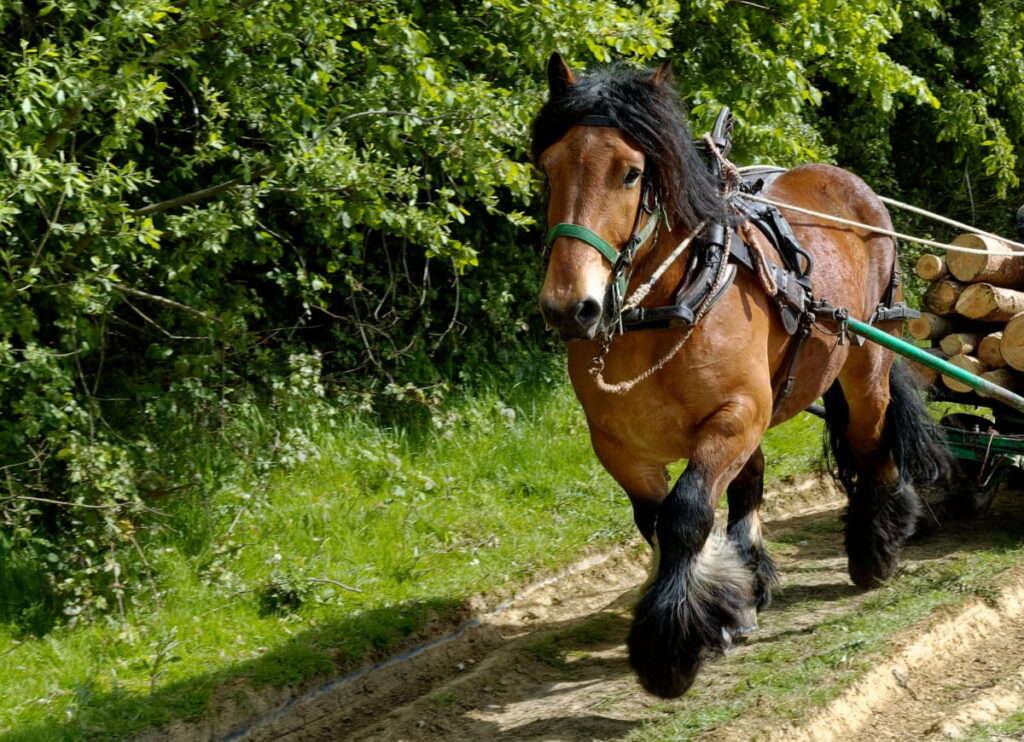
882,441
745,494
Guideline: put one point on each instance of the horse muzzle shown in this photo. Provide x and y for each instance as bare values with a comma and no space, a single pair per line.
578,320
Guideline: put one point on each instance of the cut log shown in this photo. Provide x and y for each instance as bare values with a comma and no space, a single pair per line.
960,343
989,352
1012,345
983,301
929,326
1000,265
928,376
1006,378
941,296
967,363
931,267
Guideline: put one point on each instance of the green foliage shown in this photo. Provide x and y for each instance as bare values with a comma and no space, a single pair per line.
923,99
221,219
223,223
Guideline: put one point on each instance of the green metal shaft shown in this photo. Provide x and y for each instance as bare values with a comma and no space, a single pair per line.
927,359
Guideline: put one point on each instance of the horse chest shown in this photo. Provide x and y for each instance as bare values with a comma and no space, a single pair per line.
660,419
650,428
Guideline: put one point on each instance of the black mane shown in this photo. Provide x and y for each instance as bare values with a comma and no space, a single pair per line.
650,112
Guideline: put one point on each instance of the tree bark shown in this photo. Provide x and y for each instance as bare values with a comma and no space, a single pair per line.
1000,266
941,296
983,301
1004,377
967,363
960,343
1012,345
989,352
929,327
926,375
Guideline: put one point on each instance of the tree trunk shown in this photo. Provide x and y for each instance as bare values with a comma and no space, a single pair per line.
989,352
1000,266
931,267
967,363
926,375
1004,377
941,296
960,343
983,301
1012,345
929,326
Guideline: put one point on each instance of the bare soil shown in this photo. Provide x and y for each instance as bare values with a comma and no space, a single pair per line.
550,664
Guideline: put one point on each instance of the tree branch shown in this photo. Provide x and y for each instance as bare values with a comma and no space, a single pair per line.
166,302
189,198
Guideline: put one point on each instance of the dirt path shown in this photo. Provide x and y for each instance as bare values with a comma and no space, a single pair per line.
551,665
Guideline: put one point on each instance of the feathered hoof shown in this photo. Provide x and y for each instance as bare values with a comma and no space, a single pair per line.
870,573
659,673
878,522
691,611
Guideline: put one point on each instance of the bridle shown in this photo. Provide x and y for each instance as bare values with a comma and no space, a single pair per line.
622,259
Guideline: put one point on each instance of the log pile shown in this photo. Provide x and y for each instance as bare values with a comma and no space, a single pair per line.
973,312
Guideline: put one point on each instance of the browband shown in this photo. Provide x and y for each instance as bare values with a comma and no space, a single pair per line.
597,121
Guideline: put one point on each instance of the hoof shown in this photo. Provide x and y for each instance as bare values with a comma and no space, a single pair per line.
744,631
671,681
879,521
868,576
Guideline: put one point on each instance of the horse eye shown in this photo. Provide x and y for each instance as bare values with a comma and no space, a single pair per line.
632,176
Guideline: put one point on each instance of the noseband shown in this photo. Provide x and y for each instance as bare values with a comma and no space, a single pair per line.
621,260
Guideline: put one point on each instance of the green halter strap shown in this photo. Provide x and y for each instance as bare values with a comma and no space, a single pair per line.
620,261
582,233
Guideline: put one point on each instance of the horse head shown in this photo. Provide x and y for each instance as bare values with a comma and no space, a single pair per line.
615,151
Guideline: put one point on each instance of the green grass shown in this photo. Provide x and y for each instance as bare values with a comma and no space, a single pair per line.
1012,728
249,581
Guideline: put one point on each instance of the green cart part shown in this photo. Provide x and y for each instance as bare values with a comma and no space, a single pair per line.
907,350
986,447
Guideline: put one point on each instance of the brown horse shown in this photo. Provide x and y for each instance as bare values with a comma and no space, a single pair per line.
613,143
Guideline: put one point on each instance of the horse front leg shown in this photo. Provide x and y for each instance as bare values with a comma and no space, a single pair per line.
702,592
745,494
645,482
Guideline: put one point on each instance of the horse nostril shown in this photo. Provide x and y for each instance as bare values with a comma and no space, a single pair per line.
587,313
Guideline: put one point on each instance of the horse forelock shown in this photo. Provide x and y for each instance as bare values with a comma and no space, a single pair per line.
651,113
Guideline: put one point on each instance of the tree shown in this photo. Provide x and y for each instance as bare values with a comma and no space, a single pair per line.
206,206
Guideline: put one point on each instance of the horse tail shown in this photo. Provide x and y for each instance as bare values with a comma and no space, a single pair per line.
700,594
918,446
915,442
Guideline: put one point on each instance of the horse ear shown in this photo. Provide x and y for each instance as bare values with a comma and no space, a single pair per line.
663,75
560,77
